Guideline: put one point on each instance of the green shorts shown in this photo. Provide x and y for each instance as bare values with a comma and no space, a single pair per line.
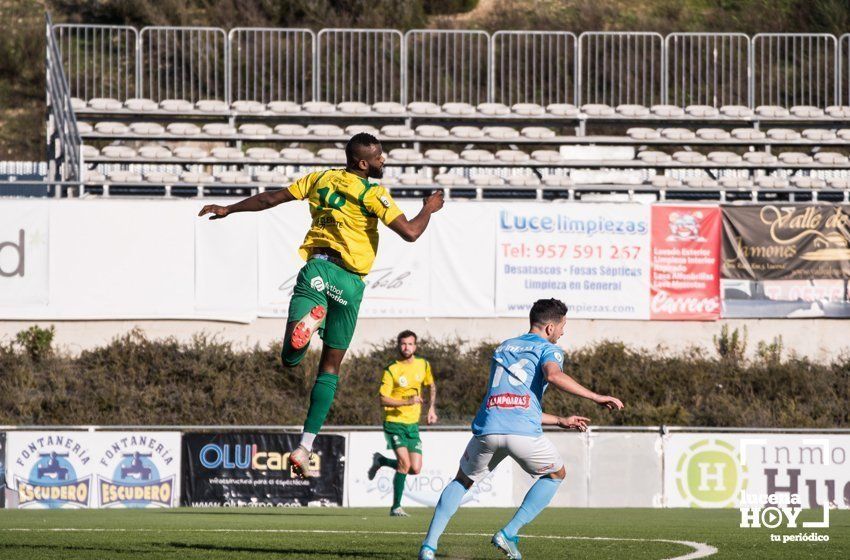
340,291
403,435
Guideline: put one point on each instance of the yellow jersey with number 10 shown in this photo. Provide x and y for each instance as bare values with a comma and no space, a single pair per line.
345,209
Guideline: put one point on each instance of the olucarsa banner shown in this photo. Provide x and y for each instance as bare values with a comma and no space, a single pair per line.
594,257
253,470
93,469
685,263
786,242
707,470
138,469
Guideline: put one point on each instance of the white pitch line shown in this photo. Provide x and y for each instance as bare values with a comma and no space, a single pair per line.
701,550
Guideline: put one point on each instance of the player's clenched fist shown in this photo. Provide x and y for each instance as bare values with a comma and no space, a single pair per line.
216,211
434,201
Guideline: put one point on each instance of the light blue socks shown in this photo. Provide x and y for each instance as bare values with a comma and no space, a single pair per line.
537,498
447,506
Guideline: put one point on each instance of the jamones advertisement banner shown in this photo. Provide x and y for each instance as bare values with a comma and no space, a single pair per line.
92,470
253,470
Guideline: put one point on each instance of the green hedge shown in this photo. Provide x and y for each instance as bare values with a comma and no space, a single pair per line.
136,380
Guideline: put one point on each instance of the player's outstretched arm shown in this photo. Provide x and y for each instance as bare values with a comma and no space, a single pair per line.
410,230
395,403
570,423
260,201
565,383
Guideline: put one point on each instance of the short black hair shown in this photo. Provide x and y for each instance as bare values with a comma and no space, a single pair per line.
406,334
359,140
547,311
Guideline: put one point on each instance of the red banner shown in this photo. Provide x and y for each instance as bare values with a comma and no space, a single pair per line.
685,277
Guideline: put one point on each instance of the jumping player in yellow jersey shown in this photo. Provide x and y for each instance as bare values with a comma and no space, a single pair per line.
339,248
401,397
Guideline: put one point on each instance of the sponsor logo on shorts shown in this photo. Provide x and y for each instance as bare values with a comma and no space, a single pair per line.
317,284
508,400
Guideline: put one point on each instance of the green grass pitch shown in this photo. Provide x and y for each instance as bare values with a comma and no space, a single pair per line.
320,534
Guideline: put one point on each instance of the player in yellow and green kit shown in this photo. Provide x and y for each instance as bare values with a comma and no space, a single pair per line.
401,397
339,248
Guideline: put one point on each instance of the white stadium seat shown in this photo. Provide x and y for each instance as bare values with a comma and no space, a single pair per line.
760,158
218,129
724,158
477,156
290,129
353,129
283,107
325,130
123,176
195,177
633,110
397,131
701,182
84,127
104,104
388,108
318,107
713,134
678,133
140,104
486,180
597,110
808,182
458,109
665,182
771,182
297,154
512,156
423,108
557,181
353,108
500,132
667,111
77,104
642,133
93,176
414,179
736,111
546,156
843,133
562,110
819,134
807,111
795,158
831,158
160,177
262,154
467,132
118,152
651,156
537,132
838,111
154,151
248,106
176,105
404,155
748,134
528,109
441,156
736,182
147,128
702,111
190,152
254,129
110,128
226,152
431,131
524,180
783,134
450,179
211,106
230,176
90,151
839,182
772,111
183,129
689,157
270,177
493,109
331,155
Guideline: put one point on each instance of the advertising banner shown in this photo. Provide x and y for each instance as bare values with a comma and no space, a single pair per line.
252,470
709,470
594,257
88,469
441,453
794,299
786,242
685,263
23,253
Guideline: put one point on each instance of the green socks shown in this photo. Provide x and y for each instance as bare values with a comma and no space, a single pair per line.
398,488
387,462
321,398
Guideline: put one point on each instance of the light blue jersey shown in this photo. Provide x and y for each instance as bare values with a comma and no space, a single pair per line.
515,390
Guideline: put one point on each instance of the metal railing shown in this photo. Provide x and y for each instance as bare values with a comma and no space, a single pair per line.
368,65
533,67
183,63
64,144
794,69
360,65
707,69
267,64
620,68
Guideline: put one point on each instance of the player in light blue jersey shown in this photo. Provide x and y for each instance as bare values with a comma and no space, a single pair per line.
510,423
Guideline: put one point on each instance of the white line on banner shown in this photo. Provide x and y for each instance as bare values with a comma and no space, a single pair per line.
701,550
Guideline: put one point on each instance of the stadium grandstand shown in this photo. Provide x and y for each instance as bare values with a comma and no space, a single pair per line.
198,111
